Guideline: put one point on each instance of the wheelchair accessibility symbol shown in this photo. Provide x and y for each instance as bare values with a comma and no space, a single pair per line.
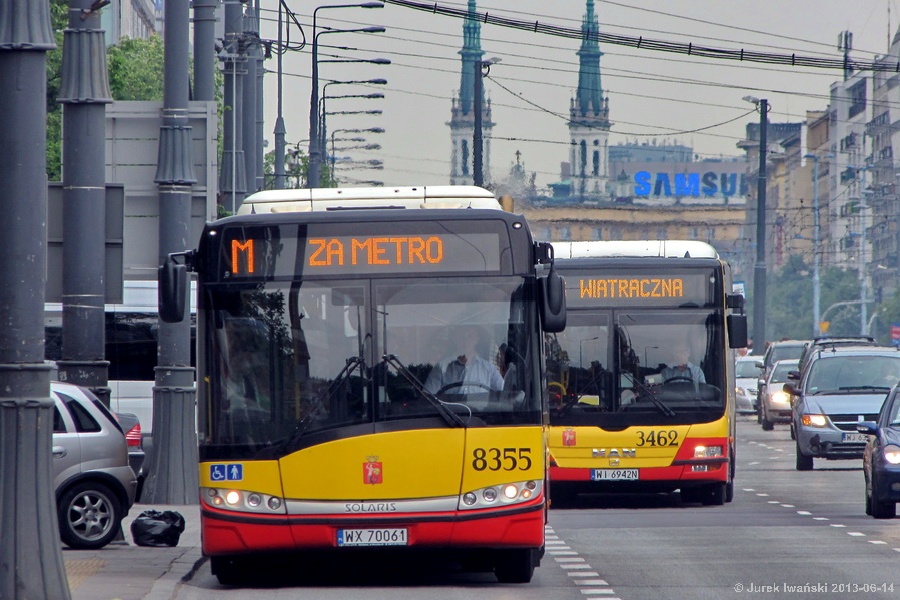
222,472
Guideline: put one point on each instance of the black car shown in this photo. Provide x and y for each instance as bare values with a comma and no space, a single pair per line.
881,459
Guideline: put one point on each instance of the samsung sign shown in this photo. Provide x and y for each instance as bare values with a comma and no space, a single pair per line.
697,185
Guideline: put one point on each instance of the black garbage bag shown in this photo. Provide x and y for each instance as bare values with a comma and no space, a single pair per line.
157,528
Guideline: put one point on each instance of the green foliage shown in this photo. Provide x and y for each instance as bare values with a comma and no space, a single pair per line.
789,301
59,17
136,69
888,314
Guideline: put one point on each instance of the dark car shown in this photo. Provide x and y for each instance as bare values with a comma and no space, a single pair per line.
881,459
95,486
838,388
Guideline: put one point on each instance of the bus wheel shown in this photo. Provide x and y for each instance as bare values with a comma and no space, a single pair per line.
729,491
715,494
514,566
229,570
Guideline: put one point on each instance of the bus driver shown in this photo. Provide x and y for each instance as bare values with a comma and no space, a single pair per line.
465,372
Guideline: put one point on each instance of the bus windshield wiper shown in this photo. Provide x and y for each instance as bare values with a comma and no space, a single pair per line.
662,406
453,419
352,363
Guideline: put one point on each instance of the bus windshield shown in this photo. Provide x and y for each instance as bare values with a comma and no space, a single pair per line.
297,361
623,368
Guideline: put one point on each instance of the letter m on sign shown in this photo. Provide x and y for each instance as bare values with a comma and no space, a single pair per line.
241,257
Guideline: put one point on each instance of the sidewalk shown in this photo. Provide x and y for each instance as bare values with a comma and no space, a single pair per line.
126,571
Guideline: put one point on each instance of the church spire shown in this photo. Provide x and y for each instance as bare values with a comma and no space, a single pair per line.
471,53
462,111
589,118
589,99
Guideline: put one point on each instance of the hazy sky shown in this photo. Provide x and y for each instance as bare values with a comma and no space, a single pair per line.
652,95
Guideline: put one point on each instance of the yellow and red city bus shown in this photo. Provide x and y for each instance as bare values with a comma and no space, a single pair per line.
624,415
320,315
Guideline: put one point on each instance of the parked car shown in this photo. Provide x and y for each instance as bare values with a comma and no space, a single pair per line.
746,374
775,404
881,459
95,486
131,425
839,387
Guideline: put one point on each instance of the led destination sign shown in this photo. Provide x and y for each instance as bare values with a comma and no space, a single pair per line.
637,289
264,256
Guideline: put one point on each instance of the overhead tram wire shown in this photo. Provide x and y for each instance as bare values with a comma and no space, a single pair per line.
640,42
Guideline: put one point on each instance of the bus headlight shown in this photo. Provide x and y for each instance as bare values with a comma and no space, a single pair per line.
707,451
501,495
242,501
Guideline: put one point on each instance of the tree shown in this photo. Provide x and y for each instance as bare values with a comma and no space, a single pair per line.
136,69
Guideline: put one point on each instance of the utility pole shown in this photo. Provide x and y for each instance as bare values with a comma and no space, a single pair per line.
84,94
204,49
817,329
31,560
477,141
759,272
251,49
172,461
233,180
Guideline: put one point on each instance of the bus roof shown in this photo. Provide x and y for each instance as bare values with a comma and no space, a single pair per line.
636,248
309,200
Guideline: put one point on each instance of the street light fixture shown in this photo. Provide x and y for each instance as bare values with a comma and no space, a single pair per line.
323,136
314,154
369,130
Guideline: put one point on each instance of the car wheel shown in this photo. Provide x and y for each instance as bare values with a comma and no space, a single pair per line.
767,424
868,495
515,566
90,516
793,435
804,463
881,510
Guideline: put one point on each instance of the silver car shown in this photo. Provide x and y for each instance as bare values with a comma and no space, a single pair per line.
839,388
95,486
775,403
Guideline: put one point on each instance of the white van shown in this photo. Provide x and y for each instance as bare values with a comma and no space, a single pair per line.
132,332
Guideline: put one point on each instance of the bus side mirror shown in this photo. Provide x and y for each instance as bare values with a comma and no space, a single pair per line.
552,291
172,291
737,331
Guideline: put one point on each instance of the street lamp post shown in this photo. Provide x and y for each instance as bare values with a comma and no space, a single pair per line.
817,328
314,155
759,271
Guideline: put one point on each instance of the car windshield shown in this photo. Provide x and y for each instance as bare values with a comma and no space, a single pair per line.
849,374
781,370
746,369
786,352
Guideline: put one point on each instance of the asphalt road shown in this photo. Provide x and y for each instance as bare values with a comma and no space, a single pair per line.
787,534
